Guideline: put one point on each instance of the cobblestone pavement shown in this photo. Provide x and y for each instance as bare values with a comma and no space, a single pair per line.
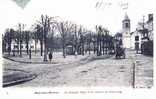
89,71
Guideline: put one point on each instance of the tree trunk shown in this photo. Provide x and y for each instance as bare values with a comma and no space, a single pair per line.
100,46
97,47
64,55
103,45
82,44
9,49
106,47
45,54
41,46
45,50
9,44
20,48
18,44
35,46
76,47
94,47
83,48
27,48
89,48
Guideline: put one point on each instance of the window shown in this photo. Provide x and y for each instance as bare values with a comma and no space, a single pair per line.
136,38
32,46
127,25
15,46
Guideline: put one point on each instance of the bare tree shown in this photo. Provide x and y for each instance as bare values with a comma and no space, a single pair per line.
53,29
76,38
38,35
8,37
103,40
21,28
45,26
27,39
88,40
98,30
64,29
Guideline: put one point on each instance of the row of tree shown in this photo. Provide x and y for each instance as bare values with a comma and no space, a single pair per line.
17,36
54,34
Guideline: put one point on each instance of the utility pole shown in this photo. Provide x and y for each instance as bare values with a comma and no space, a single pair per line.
143,36
143,26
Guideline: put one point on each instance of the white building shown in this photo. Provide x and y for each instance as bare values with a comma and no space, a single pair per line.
126,37
134,39
15,46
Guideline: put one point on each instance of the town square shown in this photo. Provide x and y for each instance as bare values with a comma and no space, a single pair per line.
91,46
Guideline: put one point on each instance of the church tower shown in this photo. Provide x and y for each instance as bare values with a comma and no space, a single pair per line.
126,37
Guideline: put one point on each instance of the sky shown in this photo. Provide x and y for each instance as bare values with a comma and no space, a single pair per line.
82,12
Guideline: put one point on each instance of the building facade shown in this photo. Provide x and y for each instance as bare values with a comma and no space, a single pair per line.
126,37
15,46
143,32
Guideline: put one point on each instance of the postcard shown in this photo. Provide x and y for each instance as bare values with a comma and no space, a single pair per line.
77,47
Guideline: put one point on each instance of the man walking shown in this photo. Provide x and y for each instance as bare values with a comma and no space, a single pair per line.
50,56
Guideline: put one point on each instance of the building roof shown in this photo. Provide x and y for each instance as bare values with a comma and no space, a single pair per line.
126,17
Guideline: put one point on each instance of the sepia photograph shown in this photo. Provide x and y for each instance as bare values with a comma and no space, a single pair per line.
77,43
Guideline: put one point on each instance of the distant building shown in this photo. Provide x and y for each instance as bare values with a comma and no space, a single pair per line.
126,37
147,37
144,32
134,39
15,46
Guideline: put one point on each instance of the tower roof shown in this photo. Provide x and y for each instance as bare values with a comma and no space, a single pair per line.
126,17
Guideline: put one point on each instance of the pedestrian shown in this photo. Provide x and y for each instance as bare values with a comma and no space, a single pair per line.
50,56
